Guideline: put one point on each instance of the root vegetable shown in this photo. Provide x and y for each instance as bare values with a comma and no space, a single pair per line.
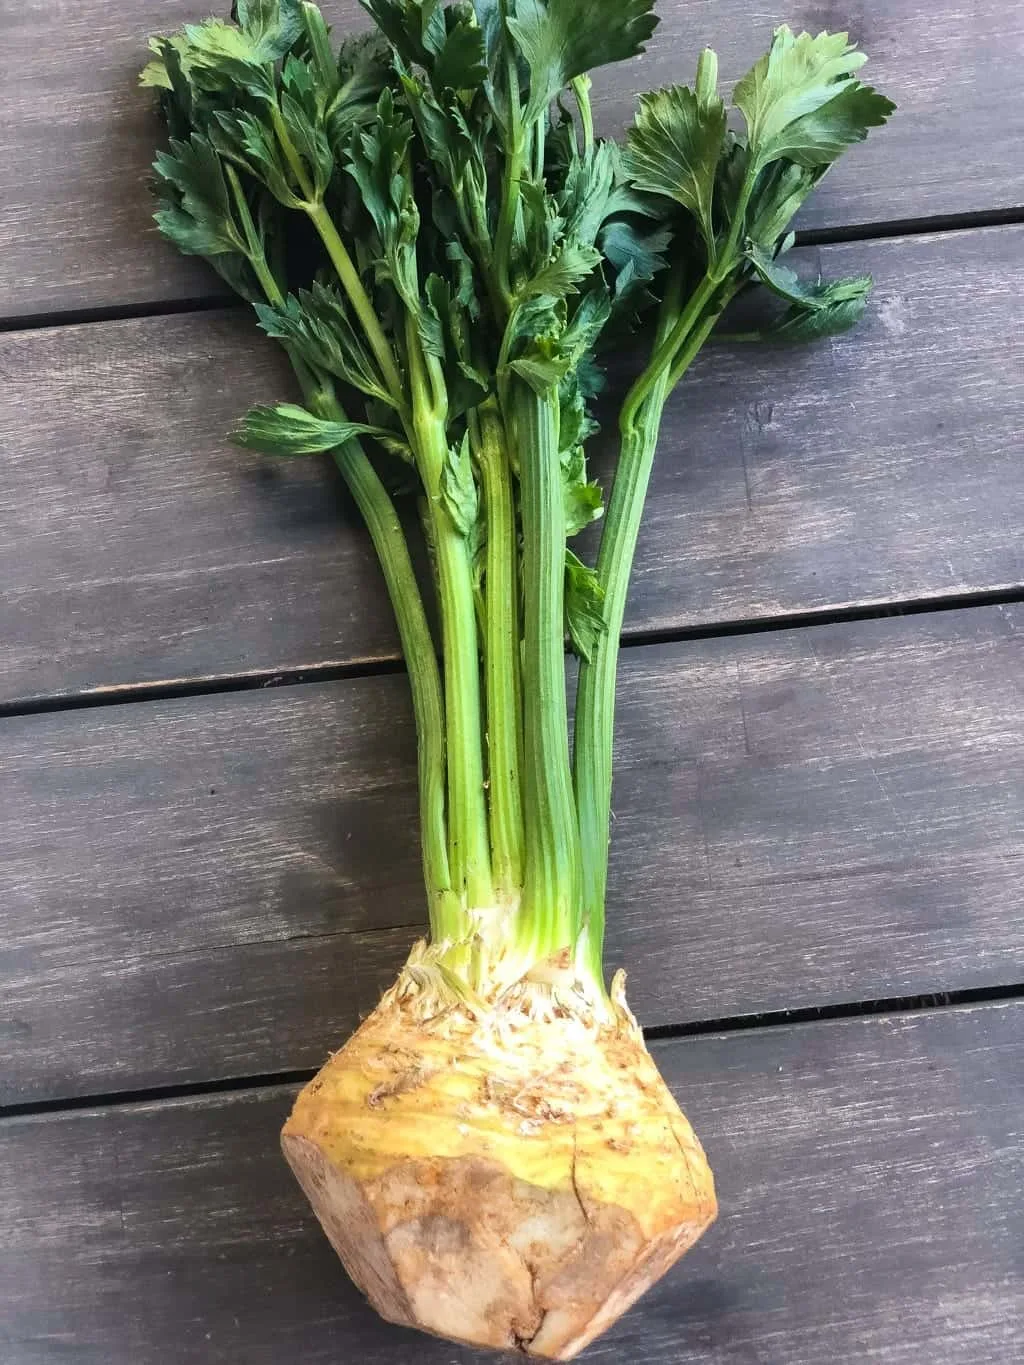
427,222
512,1177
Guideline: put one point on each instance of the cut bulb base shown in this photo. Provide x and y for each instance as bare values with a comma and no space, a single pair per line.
513,1181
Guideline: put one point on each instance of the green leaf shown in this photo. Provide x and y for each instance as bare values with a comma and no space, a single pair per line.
222,57
321,55
489,15
591,376
364,69
586,323
183,106
805,294
799,324
457,153
673,150
303,120
584,607
779,191
817,308
635,254
297,80
535,329
446,41
464,293
561,275
539,227
819,137
543,373
458,489
545,345
197,217
414,28
272,26
317,325
433,316
802,99
377,162
586,196
795,76
560,39
584,506
575,426
191,238
154,74
467,388
459,62
288,429
434,125
391,438
584,500
445,328
247,140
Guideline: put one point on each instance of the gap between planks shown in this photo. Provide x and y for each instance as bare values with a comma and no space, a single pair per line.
781,490
215,300
929,1003
384,666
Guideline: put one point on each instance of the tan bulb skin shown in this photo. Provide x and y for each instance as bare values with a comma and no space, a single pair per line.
513,1181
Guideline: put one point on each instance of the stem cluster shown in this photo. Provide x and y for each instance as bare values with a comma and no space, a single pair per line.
475,242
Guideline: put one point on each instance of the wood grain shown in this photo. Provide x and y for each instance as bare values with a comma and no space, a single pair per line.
79,136
138,546
869,1174
218,886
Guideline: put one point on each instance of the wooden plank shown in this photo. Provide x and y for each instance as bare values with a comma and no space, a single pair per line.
213,886
136,545
849,474
869,1174
75,215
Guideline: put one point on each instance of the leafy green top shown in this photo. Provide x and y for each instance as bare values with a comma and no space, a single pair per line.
427,222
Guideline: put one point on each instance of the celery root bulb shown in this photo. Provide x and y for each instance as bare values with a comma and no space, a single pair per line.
509,1175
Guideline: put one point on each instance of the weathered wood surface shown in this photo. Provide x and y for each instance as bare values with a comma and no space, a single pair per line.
218,886
137,545
78,136
869,1174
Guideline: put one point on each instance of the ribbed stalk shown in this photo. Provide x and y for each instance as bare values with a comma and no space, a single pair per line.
640,425
388,538
501,652
550,906
595,696
378,511
468,847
